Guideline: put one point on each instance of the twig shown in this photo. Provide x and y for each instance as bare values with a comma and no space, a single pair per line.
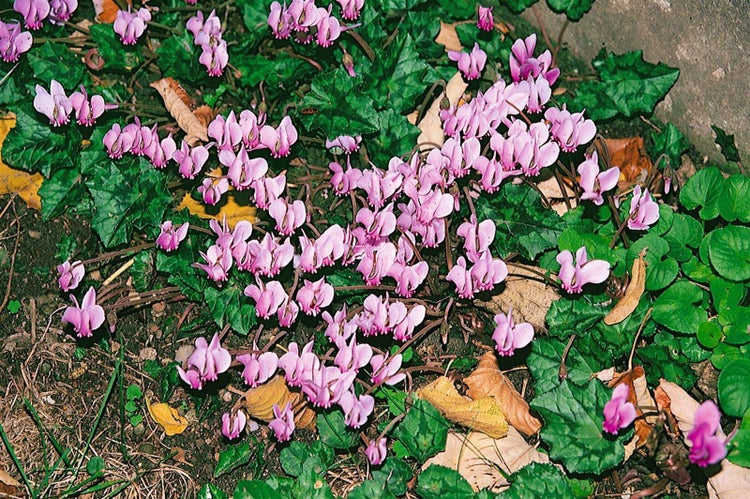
12,261
635,340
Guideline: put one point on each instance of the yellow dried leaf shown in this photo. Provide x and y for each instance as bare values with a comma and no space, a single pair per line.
487,380
18,182
195,130
229,208
482,414
633,293
259,402
167,417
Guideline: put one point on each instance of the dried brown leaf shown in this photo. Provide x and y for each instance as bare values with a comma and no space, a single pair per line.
259,402
633,293
487,380
448,36
630,155
482,414
431,125
195,130
482,460
105,11
230,210
204,114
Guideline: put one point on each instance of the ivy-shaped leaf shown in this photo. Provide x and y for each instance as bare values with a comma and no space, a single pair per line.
229,306
726,143
255,489
670,142
676,307
47,60
733,203
423,432
734,388
115,54
538,480
574,9
544,364
573,316
232,457
440,481
661,269
334,432
61,191
396,137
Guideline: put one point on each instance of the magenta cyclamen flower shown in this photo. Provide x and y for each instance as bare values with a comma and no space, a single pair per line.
88,110
593,182
376,451
470,64
131,25
86,317
171,237
509,336
233,424
707,447
644,212
569,130
117,141
34,12
618,412
61,10
314,295
574,274
283,424
258,368
13,41
205,363
350,8
485,20
71,274
344,144
385,370
54,104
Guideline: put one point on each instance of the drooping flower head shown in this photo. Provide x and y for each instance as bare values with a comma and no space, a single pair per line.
233,424
34,12
376,451
86,317
595,182
283,423
71,274
61,10
707,447
471,64
644,212
207,361
485,20
509,336
171,237
54,104
131,25
618,412
574,274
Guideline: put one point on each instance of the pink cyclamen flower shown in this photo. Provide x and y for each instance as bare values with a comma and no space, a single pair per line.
707,447
213,189
54,104
88,110
258,368
280,139
117,141
644,212
288,217
356,409
233,424
569,130
348,62
574,275
471,63
485,20
385,370
218,262
215,57
190,161
34,12
329,28
376,451
350,8
71,274
131,25
61,10
86,317
283,423
593,182
207,361
344,144
314,295
618,412
268,297
13,41
509,336
171,237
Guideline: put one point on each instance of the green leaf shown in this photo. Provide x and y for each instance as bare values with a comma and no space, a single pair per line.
729,250
544,364
662,361
178,266
211,491
572,316
47,60
423,27
14,306
398,76
709,334
370,489
280,72
95,465
440,481
518,6
574,9
661,270
697,271
675,308
734,388
255,17
423,432
229,305
334,432
133,392
726,143
538,480
116,55
733,203
294,457
395,474
232,457
703,189
340,107
396,137
61,191
670,142
739,446
456,9
573,429
254,489
178,57
396,398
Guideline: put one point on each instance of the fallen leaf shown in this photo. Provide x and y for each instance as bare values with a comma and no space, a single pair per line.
487,380
229,208
481,414
18,182
530,299
431,125
733,481
8,480
106,11
167,417
259,402
179,455
630,155
640,397
204,114
633,293
173,100
448,37
551,190
482,460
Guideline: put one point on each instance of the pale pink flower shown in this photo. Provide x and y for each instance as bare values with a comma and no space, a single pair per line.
509,336
471,64
385,370
13,41
258,368
314,295
170,237
485,21
376,451
569,130
707,447
86,317
207,361
618,412
34,12
54,104
233,424
283,422
71,274
594,182
574,274
644,212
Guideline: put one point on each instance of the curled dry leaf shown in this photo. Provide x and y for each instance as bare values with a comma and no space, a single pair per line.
633,292
194,130
640,397
482,414
733,481
529,298
482,460
487,380
106,10
630,155
259,402
204,114
24,184
431,125
167,417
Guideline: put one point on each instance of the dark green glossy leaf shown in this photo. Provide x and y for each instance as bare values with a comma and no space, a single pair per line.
254,489
544,364
733,203
439,481
703,190
233,457
395,474
574,9
676,309
371,489
229,305
573,316
423,432
661,270
670,142
61,191
538,480
178,56
661,361
734,388
281,72
334,432
294,456
211,491
709,334
729,250
726,143
396,137
47,60
116,55
739,446
518,6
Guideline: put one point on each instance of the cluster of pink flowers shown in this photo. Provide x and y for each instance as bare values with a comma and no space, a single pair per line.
139,140
57,106
34,12
131,25
307,22
13,41
207,35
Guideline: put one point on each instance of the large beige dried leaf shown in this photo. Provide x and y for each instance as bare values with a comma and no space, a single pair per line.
633,293
173,100
487,380
482,414
431,125
448,37
259,402
480,458
732,482
529,298
551,190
